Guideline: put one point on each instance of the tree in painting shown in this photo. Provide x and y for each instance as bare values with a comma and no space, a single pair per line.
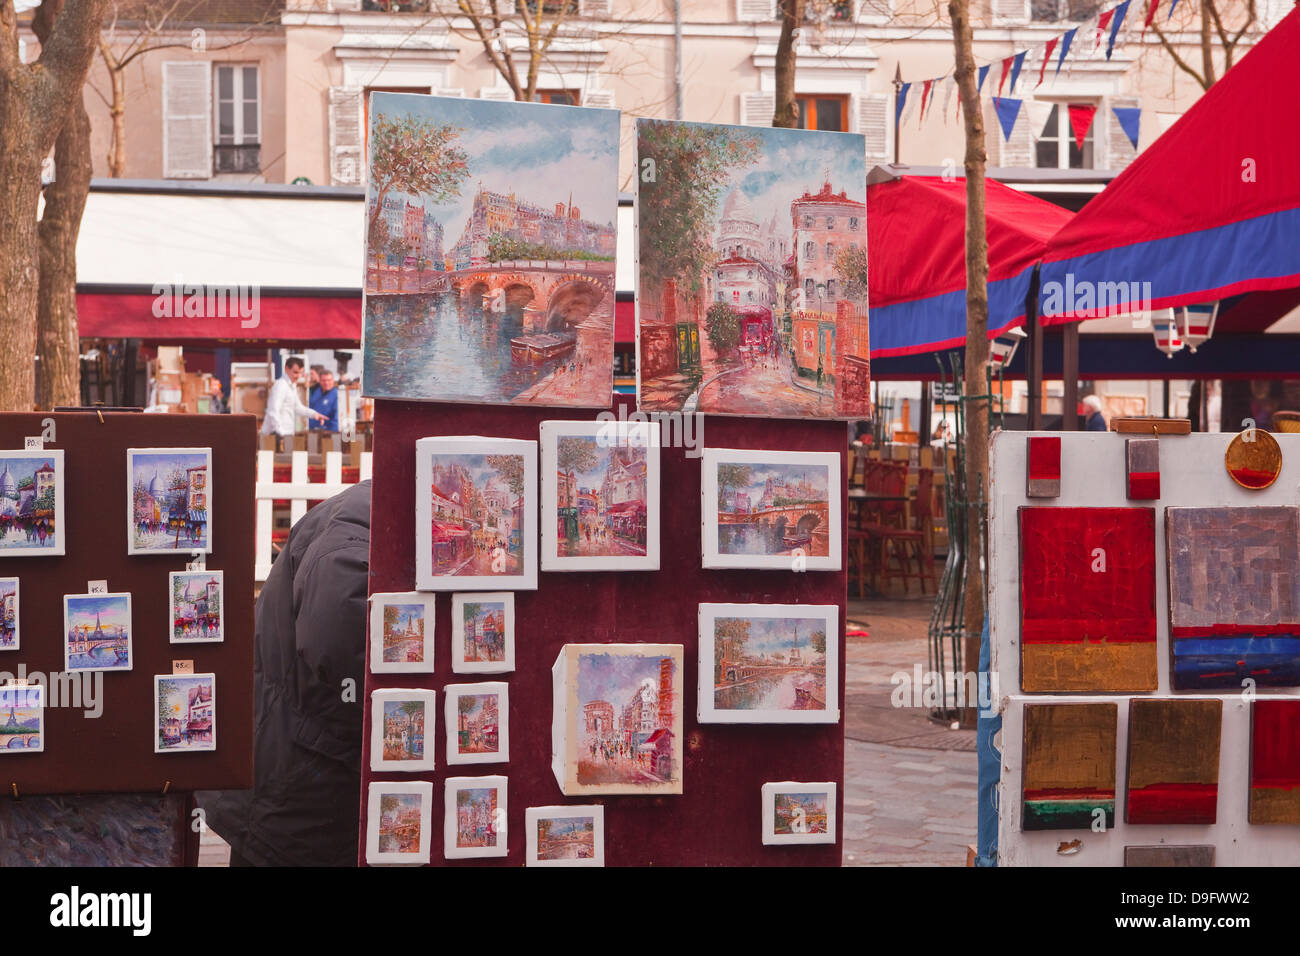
416,157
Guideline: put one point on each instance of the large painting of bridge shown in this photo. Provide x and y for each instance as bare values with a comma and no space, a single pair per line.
490,251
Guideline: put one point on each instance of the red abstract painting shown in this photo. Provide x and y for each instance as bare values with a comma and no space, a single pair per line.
1173,761
1043,474
1275,761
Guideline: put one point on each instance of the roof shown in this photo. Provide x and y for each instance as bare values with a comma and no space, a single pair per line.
828,196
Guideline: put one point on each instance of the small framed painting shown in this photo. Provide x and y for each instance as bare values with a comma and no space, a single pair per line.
771,509
769,663
798,813
483,633
600,496
401,633
475,514
168,500
97,632
185,713
565,836
474,821
10,637
23,728
399,822
478,722
398,721
197,603
31,503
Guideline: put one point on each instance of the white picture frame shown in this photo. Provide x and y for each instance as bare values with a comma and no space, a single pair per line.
485,821
379,602
403,735
182,727
459,604
491,728
781,830
10,592
214,577
23,697
420,813
148,505
533,816
14,502
118,603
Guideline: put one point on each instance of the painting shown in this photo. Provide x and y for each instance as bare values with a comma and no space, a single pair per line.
31,503
600,496
169,506
798,813
751,271
1173,760
22,707
769,663
483,632
401,633
1274,761
1088,612
490,237
478,722
196,603
474,820
1164,855
771,509
185,713
1069,765
1142,468
1234,596
10,635
1043,467
398,822
617,724
399,721
476,514
565,836
97,629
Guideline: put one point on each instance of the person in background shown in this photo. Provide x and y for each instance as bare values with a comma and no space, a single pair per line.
216,406
325,400
313,380
283,404
1096,421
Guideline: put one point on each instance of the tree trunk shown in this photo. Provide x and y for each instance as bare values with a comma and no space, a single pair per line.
117,147
20,171
1207,45
787,110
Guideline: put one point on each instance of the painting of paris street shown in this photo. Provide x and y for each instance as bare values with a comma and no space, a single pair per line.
490,251
169,497
799,812
31,503
752,271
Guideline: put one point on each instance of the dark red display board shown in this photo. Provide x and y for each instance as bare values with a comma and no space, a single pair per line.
115,752
717,820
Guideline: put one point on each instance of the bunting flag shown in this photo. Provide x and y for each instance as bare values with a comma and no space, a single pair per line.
925,99
1008,110
1129,119
1065,47
907,110
1103,22
1006,68
898,103
1015,69
1081,116
1120,13
1038,113
984,72
1171,8
1151,13
1047,55
949,84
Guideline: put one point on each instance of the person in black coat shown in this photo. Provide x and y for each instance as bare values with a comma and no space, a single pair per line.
310,641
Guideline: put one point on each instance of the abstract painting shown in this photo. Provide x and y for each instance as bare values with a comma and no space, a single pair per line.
798,813
31,503
22,707
1275,761
1088,611
196,602
1234,596
1142,468
398,822
1069,765
1043,467
474,817
490,234
97,629
476,514
185,713
1173,760
769,663
401,725
478,722
401,633
565,836
617,725
600,496
1191,855
169,504
10,635
771,509
752,271
483,632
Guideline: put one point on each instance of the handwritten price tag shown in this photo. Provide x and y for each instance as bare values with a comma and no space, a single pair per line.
182,667
33,443
96,587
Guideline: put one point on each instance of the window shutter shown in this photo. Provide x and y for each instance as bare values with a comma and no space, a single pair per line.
344,5
875,122
600,98
594,8
187,119
755,11
496,93
757,109
875,11
1019,150
448,91
1010,11
345,136
1119,151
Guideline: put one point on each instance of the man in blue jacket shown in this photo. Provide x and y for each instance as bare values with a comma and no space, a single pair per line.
325,400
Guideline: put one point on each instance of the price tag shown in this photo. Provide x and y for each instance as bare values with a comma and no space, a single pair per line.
33,443
182,667
198,562
96,587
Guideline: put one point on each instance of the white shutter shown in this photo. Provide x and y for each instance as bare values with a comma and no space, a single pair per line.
345,136
1119,151
599,98
1019,150
496,93
1010,11
755,11
344,5
757,109
187,119
448,91
875,11
594,8
875,121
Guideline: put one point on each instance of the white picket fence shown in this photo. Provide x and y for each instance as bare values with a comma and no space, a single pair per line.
298,491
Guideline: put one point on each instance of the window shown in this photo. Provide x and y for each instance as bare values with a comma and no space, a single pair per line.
808,222
830,222
836,11
853,223
824,112
809,288
830,250
830,288
556,97
1052,11
238,135
1056,146
396,6
810,250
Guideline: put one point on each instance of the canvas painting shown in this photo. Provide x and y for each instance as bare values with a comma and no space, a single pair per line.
617,724
185,713
565,836
1234,596
1173,760
1069,765
476,514
490,235
10,636
478,722
399,822
169,504
1275,761
798,813
401,633
751,271
1043,466
22,718
483,632
1166,855
474,817
31,503
97,629
600,496
401,725
1088,611
771,509
197,608
769,663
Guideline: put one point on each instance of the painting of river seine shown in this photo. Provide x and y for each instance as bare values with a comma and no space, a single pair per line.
401,633
490,251
97,632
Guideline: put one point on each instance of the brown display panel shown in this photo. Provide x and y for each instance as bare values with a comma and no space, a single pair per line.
115,751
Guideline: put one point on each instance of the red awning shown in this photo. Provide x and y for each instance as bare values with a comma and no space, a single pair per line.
624,323
442,532
323,319
625,507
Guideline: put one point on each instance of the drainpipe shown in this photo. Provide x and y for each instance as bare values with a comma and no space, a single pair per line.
677,59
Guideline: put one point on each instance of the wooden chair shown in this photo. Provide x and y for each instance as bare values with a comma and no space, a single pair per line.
913,546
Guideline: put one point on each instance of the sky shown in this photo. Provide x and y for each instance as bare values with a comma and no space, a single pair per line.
815,475
20,468
177,690
614,678
480,472
112,609
770,634
144,466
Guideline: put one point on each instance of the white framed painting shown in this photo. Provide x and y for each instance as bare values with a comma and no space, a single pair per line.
600,496
478,722
197,607
31,503
23,729
778,510
10,632
769,664
97,632
565,836
185,713
476,514
483,632
399,822
401,722
168,500
474,817
795,813
401,632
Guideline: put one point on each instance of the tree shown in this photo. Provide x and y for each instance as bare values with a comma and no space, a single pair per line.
494,23
731,478
722,325
416,157
576,454
1228,22
787,108
851,267
511,470
819,641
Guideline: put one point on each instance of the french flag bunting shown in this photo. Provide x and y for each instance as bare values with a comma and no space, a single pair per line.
1008,111
1081,116
925,100
1151,15
1065,47
1103,23
898,105
983,75
1171,8
1047,55
1120,13
1015,69
1006,68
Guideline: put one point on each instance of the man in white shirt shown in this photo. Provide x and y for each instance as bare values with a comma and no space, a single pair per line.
283,402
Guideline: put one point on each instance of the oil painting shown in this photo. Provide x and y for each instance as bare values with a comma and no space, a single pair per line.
31,503
565,836
97,632
10,635
478,722
1069,766
196,602
401,633
1275,761
169,505
401,728
398,822
483,632
1173,760
185,713
798,813
22,718
474,817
